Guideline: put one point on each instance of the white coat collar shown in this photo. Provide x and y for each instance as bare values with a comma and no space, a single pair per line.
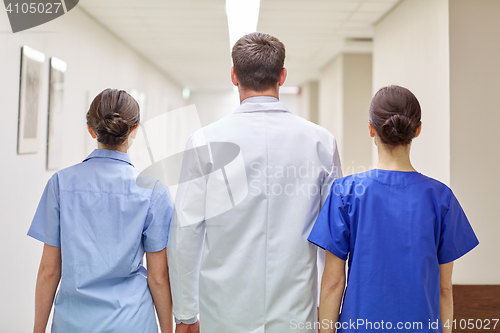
262,107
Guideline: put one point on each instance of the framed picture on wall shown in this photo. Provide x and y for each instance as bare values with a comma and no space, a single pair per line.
55,114
29,100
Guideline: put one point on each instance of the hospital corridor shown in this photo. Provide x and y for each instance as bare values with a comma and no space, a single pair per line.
272,150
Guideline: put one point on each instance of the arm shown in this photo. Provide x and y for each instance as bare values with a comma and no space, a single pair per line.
446,302
185,247
159,285
332,290
184,251
187,233
49,275
335,173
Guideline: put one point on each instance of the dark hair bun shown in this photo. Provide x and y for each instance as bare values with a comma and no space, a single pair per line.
112,116
112,130
397,130
395,114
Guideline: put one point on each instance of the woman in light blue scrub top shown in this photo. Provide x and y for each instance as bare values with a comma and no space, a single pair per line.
399,230
97,224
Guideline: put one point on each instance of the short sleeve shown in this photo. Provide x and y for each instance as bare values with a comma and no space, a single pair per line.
45,224
331,229
457,237
157,225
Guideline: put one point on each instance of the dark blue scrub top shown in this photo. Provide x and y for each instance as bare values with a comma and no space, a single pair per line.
395,228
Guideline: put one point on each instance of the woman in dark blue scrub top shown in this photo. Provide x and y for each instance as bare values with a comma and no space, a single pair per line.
399,230
96,224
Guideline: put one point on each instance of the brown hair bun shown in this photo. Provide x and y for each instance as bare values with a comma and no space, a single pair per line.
395,114
112,116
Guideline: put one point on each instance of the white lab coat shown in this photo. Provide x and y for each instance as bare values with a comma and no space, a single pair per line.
247,253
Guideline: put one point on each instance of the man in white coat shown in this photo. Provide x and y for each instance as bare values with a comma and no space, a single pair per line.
238,252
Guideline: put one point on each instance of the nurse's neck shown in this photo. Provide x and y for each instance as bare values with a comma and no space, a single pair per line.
122,148
393,158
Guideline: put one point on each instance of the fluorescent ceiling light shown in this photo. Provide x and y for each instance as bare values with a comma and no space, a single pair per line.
242,17
186,92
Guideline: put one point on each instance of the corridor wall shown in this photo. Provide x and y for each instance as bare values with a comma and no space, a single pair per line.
96,60
345,91
474,120
411,48
446,52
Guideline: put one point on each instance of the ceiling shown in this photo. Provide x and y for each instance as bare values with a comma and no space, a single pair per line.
189,39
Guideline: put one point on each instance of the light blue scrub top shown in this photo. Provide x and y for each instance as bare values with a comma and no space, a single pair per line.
103,223
395,228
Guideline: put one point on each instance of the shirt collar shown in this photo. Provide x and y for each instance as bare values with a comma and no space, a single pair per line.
260,99
112,154
272,105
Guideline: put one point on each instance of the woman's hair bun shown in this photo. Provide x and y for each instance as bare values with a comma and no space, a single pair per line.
112,116
395,114
397,130
112,129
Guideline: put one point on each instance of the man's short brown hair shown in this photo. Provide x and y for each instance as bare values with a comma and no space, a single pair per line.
258,59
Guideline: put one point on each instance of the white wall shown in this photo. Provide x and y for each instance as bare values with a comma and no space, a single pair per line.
293,103
447,53
345,90
96,60
411,49
309,101
213,105
330,114
475,117
357,95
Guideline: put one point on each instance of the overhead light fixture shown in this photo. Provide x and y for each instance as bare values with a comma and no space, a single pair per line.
242,18
186,92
